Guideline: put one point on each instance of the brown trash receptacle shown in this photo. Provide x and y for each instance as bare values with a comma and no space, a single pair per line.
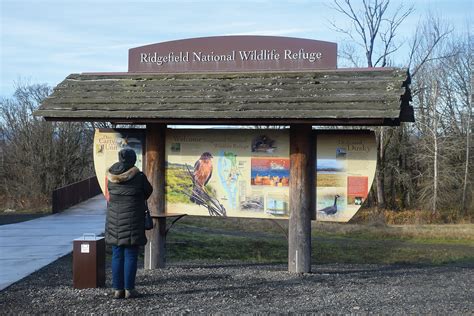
88,263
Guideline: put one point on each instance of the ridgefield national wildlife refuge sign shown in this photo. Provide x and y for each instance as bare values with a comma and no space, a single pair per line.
238,167
233,53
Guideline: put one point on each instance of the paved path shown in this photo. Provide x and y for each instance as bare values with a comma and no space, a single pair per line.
28,246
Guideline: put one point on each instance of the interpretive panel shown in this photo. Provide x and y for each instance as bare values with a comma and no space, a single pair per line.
246,172
345,169
238,173
107,144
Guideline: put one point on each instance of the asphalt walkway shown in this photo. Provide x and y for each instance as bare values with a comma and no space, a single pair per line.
28,246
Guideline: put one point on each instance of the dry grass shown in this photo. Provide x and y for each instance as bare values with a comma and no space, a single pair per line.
376,229
458,233
411,217
454,231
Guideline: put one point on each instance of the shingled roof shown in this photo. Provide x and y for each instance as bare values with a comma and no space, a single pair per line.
344,96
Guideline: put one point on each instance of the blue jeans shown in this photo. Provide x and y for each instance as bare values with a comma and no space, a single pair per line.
124,267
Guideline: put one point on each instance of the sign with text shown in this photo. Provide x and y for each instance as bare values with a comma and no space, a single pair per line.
345,170
233,54
228,173
246,173
108,143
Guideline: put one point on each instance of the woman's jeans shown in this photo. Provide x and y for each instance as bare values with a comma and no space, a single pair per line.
124,267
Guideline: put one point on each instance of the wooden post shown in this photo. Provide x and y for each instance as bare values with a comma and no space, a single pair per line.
302,195
155,251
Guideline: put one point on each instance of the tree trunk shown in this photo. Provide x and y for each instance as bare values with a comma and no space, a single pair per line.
435,145
393,191
435,172
402,167
466,167
380,170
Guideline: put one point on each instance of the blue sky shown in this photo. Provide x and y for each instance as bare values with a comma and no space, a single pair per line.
42,41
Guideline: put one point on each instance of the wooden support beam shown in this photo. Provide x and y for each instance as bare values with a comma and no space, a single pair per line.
155,251
302,196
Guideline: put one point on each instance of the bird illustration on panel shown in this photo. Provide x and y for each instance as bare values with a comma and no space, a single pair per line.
331,210
202,174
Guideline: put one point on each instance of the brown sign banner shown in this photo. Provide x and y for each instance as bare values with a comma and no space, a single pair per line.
233,54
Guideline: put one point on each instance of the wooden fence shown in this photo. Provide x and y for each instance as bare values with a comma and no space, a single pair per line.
75,193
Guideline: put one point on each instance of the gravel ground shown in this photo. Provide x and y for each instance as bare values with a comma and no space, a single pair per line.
237,288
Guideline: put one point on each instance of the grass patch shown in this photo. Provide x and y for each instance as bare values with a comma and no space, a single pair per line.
183,246
347,250
42,210
462,234
236,224
252,240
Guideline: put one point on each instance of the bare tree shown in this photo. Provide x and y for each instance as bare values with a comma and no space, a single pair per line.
460,70
434,132
442,93
438,149
38,156
428,36
373,28
468,119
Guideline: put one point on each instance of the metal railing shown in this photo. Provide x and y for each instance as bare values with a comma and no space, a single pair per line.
74,193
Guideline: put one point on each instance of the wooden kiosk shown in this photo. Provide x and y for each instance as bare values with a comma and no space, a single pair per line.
236,80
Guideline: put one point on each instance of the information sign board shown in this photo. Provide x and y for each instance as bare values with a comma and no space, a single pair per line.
246,172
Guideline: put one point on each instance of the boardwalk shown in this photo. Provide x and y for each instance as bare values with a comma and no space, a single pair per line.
28,246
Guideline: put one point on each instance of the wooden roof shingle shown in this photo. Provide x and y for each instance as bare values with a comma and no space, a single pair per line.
356,96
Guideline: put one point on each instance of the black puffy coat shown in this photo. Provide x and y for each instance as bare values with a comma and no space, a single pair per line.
127,190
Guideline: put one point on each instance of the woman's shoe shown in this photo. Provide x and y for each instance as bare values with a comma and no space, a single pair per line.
119,294
131,293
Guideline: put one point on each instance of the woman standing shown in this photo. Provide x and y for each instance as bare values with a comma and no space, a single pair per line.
126,193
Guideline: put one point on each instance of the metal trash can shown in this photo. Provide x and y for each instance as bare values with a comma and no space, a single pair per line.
88,263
